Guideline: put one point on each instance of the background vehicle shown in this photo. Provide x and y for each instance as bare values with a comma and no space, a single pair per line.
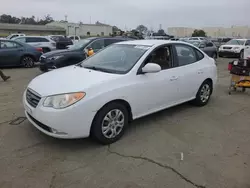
123,82
197,38
76,53
15,53
74,38
14,35
206,46
43,42
62,42
234,48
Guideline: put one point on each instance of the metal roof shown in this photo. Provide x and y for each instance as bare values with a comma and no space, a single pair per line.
27,27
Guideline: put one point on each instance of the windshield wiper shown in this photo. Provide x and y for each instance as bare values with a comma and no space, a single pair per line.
98,69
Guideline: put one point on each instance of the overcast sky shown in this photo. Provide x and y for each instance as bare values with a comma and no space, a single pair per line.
130,13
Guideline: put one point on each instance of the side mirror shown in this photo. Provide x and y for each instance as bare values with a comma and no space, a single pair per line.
151,68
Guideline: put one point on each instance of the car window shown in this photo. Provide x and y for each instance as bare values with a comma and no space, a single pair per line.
185,54
9,45
161,56
193,39
209,44
21,39
32,39
13,36
72,38
200,55
111,41
43,40
97,45
247,43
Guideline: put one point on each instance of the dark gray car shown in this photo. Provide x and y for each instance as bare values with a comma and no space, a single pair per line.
14,53
206,46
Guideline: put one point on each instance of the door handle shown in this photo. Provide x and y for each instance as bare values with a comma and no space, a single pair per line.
173,78
200,72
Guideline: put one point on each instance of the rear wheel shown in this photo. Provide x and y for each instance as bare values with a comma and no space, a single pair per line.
204,93
110,123
27,62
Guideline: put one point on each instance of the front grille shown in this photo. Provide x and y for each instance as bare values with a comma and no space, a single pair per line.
227,48
38,123
32,98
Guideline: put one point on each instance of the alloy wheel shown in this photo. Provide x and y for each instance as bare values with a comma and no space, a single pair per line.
113,123
205,93
27,62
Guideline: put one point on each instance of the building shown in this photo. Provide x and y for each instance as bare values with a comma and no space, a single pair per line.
6,29
84,29
233,31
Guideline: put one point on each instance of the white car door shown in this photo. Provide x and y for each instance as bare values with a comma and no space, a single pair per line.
192,66
155,91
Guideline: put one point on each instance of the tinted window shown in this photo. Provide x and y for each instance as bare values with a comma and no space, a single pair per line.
247,43
185,54
97,45
193,39
13,36
43,40
200,55
111,41
21,39
32,39
9,45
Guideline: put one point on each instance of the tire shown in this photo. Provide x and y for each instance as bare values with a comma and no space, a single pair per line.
106,123
241,54
27,61
203,98
45,50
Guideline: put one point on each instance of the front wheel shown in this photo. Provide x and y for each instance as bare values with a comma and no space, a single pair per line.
203,95
27,62
110,123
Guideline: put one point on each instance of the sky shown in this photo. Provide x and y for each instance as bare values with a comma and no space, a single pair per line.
128,14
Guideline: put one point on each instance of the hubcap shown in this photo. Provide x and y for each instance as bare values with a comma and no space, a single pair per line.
28,62
113,123
205,93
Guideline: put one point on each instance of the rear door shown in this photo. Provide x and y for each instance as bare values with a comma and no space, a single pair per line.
191,66
10,53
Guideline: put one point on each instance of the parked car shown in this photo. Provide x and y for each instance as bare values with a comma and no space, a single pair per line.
74,38
234,48
15,53
206,46
43,42
123,82
62,42
197,38
14,35
75,54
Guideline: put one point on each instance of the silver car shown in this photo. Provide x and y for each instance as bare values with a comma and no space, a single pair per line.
206,46
44,42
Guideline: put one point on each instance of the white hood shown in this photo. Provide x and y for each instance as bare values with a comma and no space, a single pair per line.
68,79
232,45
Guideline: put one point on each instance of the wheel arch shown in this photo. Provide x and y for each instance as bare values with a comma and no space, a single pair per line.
27,55
211,82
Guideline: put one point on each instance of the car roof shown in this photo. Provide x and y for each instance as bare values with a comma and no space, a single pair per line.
149,42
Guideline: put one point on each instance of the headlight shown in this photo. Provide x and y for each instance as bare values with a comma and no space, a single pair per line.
236,48
55,57
63,100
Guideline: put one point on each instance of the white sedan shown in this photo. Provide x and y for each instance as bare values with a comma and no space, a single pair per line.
123,82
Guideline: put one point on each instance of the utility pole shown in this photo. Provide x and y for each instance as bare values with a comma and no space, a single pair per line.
66,17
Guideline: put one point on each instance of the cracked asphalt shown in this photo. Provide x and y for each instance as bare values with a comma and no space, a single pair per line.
213,141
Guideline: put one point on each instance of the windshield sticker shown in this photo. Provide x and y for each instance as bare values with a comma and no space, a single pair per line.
142,47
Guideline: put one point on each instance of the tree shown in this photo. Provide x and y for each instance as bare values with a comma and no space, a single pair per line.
199,33
142,29
161,32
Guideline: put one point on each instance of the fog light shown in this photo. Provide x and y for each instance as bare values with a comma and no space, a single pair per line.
58,132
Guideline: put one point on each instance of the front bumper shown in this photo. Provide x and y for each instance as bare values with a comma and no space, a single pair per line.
69,123
229,53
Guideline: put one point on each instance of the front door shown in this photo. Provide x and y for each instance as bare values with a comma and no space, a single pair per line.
10,53
156,91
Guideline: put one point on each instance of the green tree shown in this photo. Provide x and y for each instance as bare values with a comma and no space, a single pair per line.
199,33
142,29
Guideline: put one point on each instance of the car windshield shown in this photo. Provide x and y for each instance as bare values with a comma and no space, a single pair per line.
80,44
117,58
235,42
195,43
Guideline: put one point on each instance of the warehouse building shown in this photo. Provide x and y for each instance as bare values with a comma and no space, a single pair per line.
7,29
84,29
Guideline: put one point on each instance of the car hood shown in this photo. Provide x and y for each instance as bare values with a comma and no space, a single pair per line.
68,79
57,52
229,45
